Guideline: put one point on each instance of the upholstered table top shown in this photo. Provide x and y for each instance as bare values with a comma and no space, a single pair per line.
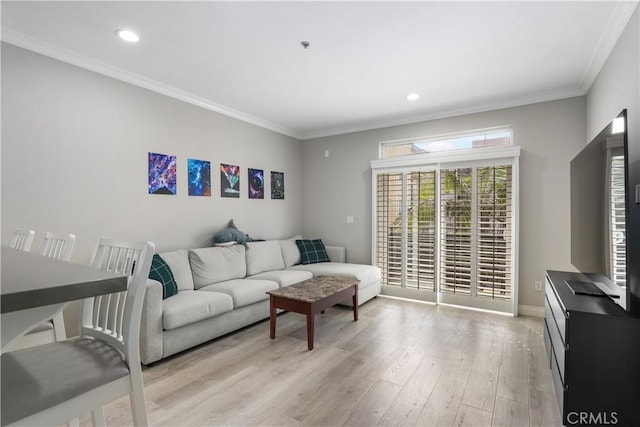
315,289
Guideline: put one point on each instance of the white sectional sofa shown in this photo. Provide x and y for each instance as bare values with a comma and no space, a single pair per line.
223,288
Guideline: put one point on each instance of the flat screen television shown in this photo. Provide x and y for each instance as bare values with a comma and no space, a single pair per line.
600,200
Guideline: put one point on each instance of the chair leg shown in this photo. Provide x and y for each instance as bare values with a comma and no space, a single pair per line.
136,397
97,416
58,327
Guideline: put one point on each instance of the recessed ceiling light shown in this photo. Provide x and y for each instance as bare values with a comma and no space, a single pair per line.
128,36
413,97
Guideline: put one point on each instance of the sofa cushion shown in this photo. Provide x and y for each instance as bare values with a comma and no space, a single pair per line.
179,263
283,277
217,264
312,251
161,272
243,291
290,251
263,256
367,274
192,306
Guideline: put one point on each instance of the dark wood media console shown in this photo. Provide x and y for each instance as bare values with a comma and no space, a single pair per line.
593,346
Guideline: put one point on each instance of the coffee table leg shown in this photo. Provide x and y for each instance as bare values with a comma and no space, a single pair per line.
355,304
310,330
272,316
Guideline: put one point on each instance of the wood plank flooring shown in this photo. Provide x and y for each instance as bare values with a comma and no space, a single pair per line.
402,363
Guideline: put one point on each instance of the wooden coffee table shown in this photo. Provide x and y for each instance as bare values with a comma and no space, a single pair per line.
313,296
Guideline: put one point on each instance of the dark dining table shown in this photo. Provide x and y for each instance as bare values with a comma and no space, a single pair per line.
35,288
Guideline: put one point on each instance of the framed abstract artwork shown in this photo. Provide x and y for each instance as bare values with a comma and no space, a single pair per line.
229,181
162,174
277,185
199,174
256,183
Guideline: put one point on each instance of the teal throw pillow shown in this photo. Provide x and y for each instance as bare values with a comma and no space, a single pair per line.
161,272
312,251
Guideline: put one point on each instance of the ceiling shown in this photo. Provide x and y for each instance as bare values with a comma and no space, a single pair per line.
245,59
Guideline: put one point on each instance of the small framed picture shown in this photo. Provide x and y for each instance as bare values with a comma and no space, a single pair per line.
229,181
277,185
256,183
199,173
162,174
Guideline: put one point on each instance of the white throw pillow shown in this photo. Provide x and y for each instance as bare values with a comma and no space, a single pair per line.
217,264
290,251
263,256
178,262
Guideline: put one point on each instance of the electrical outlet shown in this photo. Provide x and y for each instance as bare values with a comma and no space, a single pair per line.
350,219
537,285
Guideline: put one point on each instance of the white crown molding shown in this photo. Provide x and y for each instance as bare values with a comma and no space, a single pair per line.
612,32
618,21
481,108
30,43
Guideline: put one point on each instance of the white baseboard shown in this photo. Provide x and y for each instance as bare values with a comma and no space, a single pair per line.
530,310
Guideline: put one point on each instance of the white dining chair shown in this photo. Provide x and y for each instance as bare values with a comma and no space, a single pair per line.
22,239
58,246
53,383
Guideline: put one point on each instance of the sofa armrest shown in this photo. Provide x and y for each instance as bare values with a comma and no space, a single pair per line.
151,324
336,253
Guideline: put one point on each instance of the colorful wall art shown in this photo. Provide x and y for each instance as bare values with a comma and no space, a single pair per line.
229,181
162,174
256,183
199,172
277,185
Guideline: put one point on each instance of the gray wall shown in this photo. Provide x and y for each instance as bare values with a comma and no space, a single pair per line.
618,84
549,134
618,87
74,160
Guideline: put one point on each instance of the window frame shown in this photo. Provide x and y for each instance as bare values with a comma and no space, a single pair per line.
474,158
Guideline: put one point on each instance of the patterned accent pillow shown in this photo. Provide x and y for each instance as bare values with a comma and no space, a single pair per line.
312,251
161,272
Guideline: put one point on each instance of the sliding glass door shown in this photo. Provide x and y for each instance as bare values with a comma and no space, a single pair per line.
445,234
476,248
405,232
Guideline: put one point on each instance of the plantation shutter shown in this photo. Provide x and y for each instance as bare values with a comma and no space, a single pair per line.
421,219
617,217
405,229
455,231
389,227
493,266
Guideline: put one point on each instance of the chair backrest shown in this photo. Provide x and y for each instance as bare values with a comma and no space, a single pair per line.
58,246
115,318
22,239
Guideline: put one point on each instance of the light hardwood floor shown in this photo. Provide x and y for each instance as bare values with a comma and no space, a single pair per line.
402,363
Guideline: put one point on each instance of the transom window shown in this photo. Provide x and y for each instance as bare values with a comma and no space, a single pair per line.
481,139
